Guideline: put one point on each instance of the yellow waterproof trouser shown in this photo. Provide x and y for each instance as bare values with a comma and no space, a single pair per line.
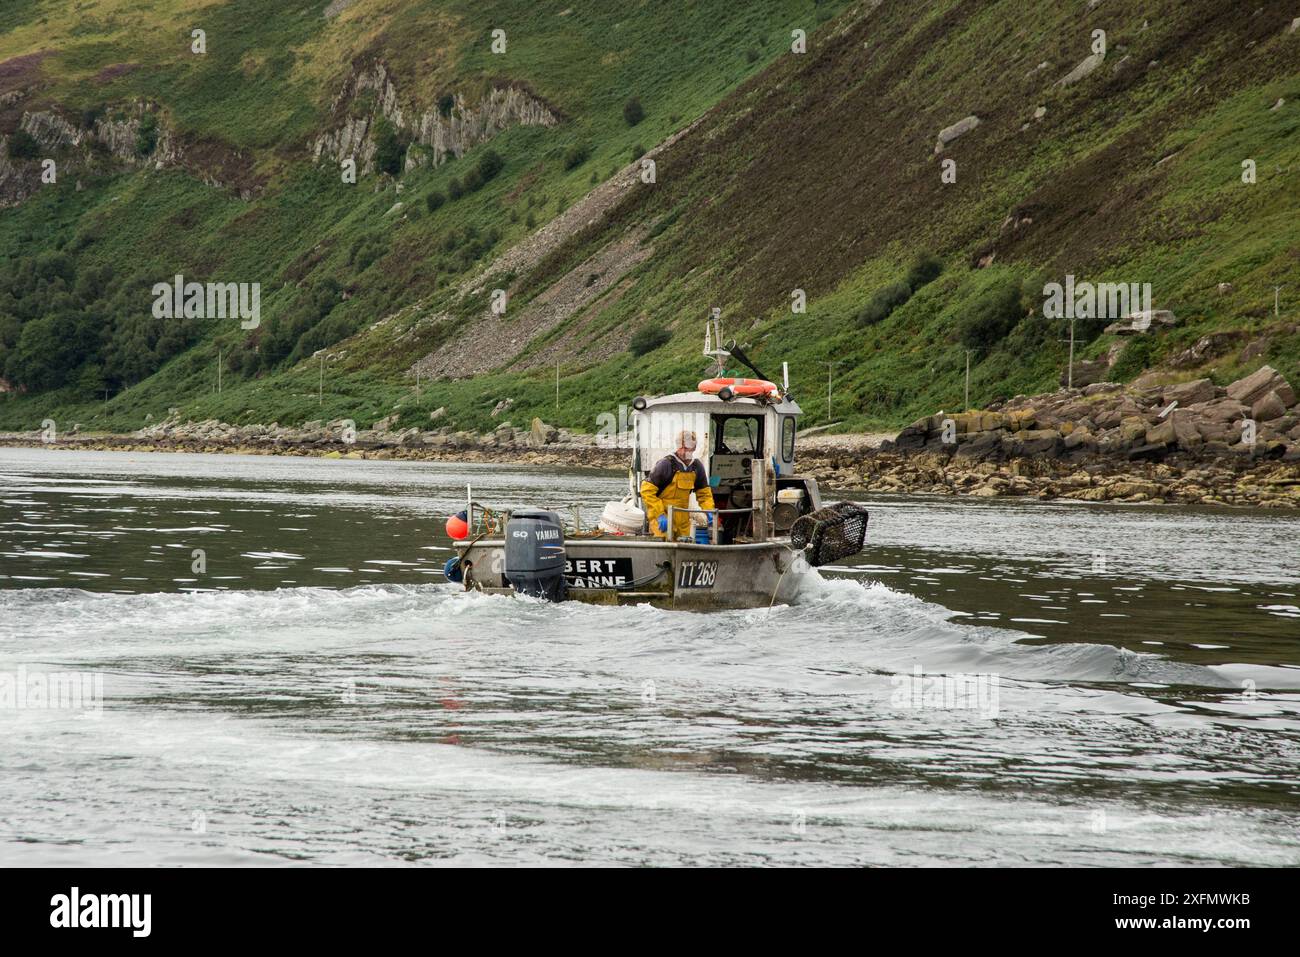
677,494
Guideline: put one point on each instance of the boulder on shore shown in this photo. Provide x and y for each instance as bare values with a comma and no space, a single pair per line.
1191,393
542,434
1258,384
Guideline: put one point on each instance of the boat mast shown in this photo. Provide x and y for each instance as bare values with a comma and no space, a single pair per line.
713,348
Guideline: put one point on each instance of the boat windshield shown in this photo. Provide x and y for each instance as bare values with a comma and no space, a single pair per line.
738,435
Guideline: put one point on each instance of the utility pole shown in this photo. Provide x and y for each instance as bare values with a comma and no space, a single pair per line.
1277,300
557,385
1070,374
320,388
968,379
830,366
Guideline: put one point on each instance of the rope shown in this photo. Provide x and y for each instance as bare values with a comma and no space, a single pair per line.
782,577
663,567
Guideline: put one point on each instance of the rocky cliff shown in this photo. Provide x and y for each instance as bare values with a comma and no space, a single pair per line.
369,93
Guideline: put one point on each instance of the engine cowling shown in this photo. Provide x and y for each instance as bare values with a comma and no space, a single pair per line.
535,554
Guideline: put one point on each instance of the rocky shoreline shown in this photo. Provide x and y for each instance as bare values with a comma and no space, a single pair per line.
1186,443
540,445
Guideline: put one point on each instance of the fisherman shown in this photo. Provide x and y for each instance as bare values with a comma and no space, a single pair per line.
671,482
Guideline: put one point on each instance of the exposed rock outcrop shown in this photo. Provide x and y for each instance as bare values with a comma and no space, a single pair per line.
1144,321
465,125
112,142
950,133
1085,67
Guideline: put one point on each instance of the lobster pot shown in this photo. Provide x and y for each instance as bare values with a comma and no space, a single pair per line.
535,553
832,533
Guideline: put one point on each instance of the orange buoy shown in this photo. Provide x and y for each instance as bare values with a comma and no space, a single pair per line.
457,527
751,387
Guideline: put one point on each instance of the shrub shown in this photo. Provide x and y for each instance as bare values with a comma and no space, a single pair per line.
146,138
489,164
22,145
752,55
365,250
884,302
576,155
434,200
445,104
454,189
637,152
1136,356
648,338
390,150
473,181
632,111
992,316
530,220
925,268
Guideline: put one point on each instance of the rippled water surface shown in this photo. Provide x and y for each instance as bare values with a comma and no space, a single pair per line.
315,692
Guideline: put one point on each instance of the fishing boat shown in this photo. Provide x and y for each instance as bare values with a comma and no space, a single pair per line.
753,548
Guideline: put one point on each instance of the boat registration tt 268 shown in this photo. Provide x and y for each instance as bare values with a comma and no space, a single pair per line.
697,574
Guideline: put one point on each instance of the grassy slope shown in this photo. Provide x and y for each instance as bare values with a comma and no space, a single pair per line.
815,174
264,74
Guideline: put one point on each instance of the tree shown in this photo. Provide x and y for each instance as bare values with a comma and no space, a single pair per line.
434,200
46,353
90,382
992,316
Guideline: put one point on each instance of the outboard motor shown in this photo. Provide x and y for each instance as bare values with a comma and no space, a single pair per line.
535,553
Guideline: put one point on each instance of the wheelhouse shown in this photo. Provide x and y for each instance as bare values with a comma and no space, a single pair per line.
744,444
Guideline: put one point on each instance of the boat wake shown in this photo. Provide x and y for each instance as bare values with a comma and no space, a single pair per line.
837,624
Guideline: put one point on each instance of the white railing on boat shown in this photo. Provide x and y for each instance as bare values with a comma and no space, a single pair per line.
713,526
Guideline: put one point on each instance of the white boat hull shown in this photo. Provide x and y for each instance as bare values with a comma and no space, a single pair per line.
626,570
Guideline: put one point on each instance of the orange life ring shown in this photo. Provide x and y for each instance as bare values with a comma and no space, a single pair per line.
752,387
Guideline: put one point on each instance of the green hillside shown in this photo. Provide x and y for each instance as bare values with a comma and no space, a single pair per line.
813,171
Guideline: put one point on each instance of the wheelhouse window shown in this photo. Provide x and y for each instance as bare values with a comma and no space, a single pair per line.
787,439
739,435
